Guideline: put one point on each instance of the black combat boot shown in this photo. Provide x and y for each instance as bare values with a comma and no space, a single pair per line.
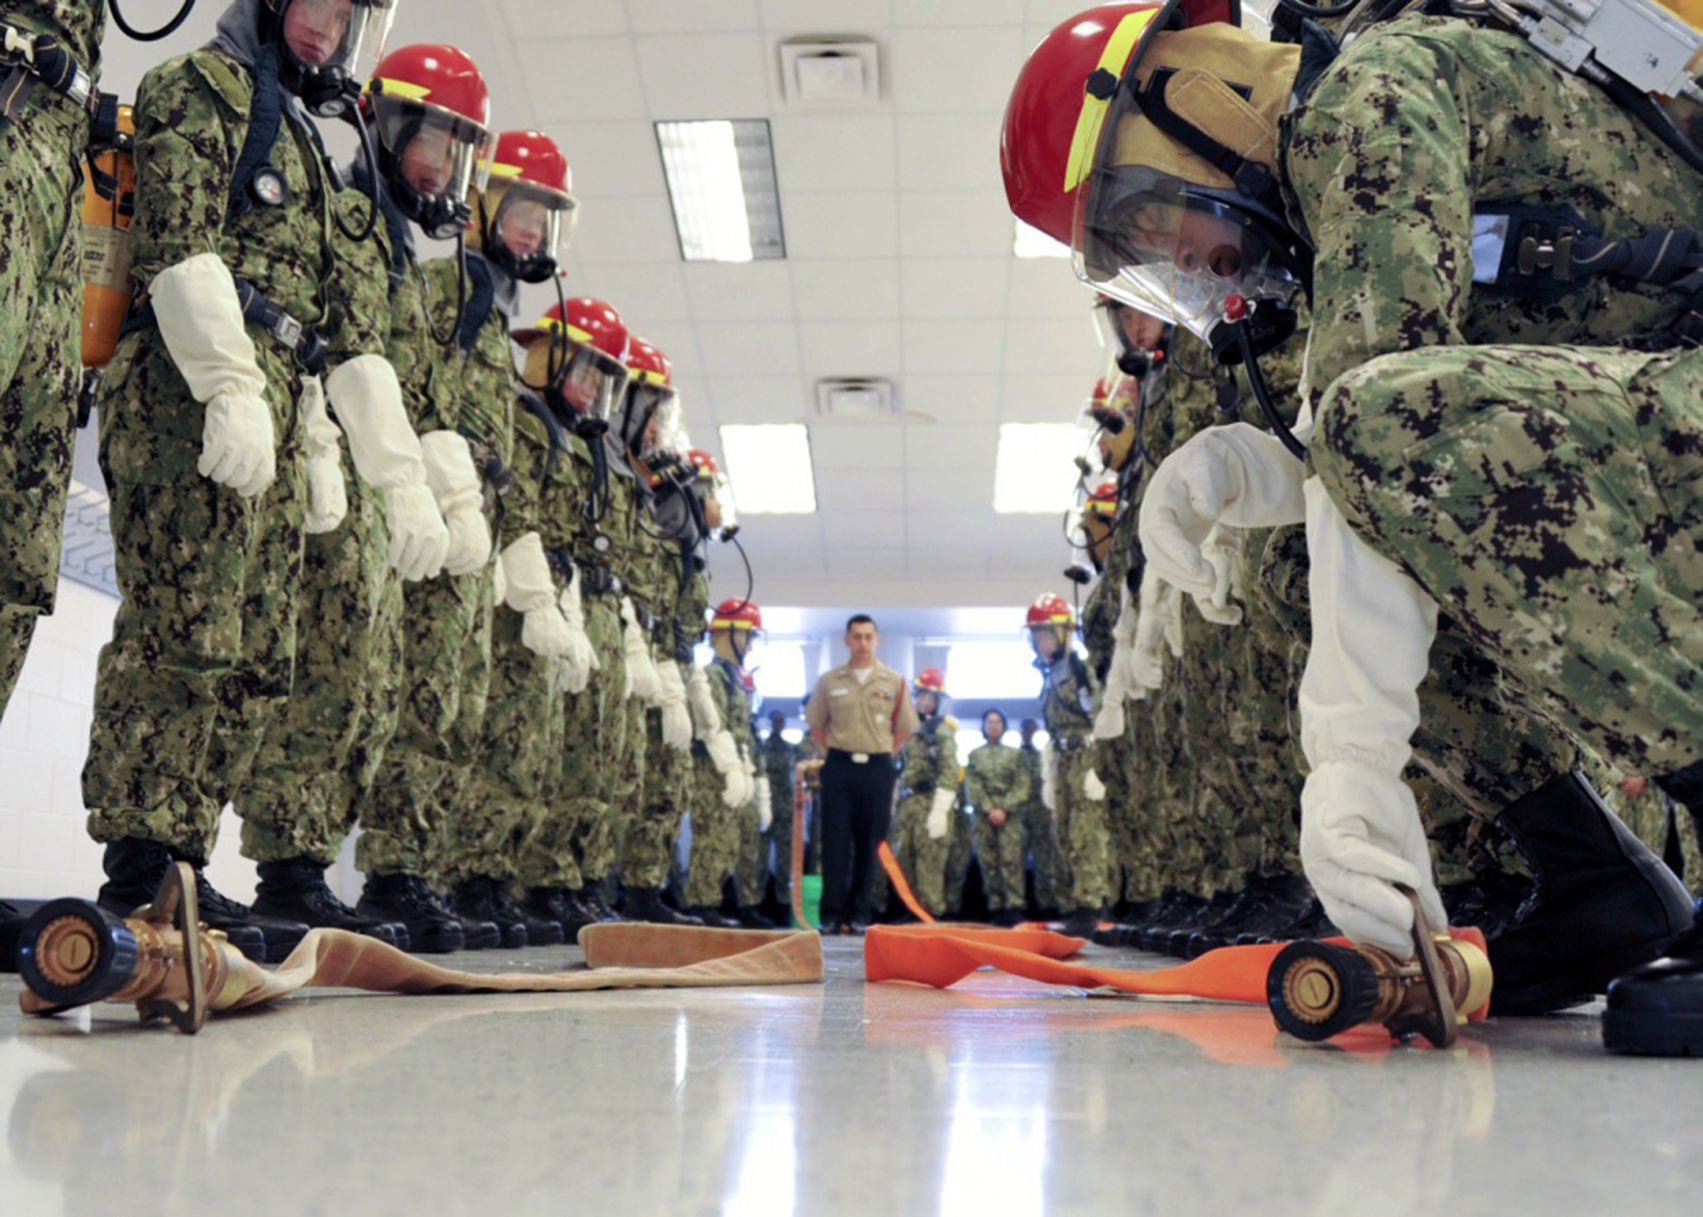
712,916
479,933
1601,902
134,868
1176,909
485,898
590,899
556,905
1489,901
1657,1010
410,901
1081,923
645,904
11,921
295,890
1279,902
751,917
1173,940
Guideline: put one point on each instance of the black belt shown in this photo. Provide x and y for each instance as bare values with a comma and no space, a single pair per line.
561,560
1069,745
842,754
259,310
497,478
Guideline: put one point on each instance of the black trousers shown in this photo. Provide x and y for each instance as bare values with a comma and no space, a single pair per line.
857,803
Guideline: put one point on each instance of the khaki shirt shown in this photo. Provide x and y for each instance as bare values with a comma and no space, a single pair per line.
862,717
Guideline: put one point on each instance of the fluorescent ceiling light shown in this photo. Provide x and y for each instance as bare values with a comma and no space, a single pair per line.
1031,242
1035,471
769,466
721,183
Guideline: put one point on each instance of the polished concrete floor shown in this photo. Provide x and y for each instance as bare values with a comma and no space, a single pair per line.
997,1099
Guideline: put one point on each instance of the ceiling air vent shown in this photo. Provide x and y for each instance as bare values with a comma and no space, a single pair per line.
830,72
852,398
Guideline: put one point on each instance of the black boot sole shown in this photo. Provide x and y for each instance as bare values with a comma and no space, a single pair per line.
246,938
1577,985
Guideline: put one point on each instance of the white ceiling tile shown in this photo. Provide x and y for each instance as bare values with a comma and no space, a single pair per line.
531,19
864,526
1047,287
632,228
957,12
840,290
1051,12
866,563
950,152
954,287
952,397
703,75
857,445
930,490
772,561
1045,397
580,79
834,152
960,525
643,292
788,531
828,16
856,489
967,562
740,291
671,16
856,224
762,399
1056,345
678,340
953,346
941,71
749,348
850,348
954,224
1021,538
610,158
952,446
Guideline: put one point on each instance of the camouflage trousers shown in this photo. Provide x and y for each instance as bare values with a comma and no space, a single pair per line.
318,760
446,649
1040,834
1083,833
516,778
1001,853
200,660
923,858
751,863
779,836
1549,499
715,836
647,848
572,840
40,315
959,855
1125,765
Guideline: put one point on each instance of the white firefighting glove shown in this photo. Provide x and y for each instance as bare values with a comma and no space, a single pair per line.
1360,827
724,755
1049,778
765,801
529,589
1109,720
200,321
643,682
706,718
1094,788
940,811
1236,474
455,484
327,493
1222,550
582,656
676,718
1158,627
367,400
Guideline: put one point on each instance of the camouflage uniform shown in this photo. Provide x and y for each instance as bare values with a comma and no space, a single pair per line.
777,763
721,834
930,763
997,777
203,644
446,634
1067,699
1041,834
1545,495
41,250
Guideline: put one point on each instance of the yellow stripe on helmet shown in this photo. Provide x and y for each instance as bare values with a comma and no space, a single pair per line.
499,169
405,89
1093,115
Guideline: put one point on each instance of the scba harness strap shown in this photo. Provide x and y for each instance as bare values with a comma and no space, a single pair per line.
29,59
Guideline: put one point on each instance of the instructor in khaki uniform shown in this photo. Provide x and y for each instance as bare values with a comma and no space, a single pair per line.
862,715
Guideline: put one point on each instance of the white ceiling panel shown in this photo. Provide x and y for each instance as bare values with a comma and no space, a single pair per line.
1045,397
952,397
579,79
792,561
844,290
1059,344
532,19
931,490
762,399
855,224
953,224
630,228
850,348
828,16
1018,538
784,531
835,152
955,71
949,151
953,346
610,157
740,291
966,526
864,527
643,292
749,348
851,490
870,563
1047,287
857,445
704,75
952,446
672,16
958,12
958,562
678,340
944,288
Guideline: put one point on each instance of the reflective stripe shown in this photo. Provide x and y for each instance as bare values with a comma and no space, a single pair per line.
405,89
1114,58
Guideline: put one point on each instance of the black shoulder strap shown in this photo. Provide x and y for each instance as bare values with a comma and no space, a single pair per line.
265,119
481,299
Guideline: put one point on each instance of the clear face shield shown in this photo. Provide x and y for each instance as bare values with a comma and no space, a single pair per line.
531,226
332,45
1045,641
928,703
592,382
432,158
1131,338
653,412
